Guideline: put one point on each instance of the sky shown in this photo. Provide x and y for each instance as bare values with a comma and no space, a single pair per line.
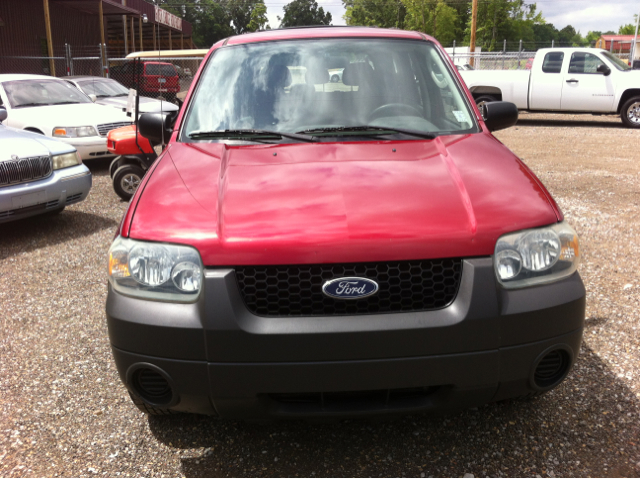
583,15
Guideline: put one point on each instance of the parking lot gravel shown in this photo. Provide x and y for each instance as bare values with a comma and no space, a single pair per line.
64,412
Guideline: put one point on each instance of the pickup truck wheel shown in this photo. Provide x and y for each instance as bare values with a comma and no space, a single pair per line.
126,180
481,100
630,112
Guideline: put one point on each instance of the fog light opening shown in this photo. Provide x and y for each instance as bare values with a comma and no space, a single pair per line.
552,368
152,387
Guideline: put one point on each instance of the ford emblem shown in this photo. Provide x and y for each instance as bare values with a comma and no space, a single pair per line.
350,288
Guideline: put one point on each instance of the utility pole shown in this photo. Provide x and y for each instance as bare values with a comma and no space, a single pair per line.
635,41
472,43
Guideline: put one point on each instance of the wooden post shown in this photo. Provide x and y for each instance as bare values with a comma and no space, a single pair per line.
181,41
133,36
102,42
154,37
170,41
472,43
140,32
47,24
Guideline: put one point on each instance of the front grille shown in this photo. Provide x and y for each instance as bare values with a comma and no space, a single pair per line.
404,286
73,198
381,397
107,127
13,172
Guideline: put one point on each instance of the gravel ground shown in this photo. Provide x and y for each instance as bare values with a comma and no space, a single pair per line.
63,411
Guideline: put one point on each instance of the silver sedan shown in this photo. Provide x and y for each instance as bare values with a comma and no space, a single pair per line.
38,174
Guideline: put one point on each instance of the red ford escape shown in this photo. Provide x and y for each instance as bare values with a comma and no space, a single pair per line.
308,248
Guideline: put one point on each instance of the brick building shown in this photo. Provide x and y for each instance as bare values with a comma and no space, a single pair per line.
41,36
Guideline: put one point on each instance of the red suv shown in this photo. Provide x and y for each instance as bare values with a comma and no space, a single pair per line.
149,78
308,248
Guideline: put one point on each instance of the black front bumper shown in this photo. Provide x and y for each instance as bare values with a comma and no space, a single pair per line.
221,359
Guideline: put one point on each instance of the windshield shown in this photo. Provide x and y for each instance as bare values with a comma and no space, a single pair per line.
328,87
619,64
163,69
103,88
28,93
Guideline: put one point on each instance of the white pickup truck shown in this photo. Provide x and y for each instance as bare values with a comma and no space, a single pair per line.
581,80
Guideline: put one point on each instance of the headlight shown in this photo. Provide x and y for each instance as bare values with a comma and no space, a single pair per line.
66,160
155,271
536,256
74,131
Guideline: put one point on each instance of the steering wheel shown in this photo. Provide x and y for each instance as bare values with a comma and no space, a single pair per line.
394,109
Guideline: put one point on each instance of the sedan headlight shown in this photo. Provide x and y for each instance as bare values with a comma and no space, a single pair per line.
536,256
74,131
66,160
155,271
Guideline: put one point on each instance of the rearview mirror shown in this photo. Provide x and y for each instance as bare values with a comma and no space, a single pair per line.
604,69
3,114
499,115
93,97
156,127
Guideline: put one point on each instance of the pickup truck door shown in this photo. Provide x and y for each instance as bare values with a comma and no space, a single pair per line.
545,83
584,88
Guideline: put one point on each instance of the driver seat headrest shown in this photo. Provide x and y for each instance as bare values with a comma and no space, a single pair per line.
356,74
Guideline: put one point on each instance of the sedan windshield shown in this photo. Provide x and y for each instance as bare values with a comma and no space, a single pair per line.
103,88
28,93
328,88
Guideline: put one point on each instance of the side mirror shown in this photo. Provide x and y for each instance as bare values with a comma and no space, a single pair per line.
499,115
604,69
156,127
93,97
3,114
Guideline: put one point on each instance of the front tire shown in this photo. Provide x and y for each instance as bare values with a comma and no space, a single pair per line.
126,180
630,112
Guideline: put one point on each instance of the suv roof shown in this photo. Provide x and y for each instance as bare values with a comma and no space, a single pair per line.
324,31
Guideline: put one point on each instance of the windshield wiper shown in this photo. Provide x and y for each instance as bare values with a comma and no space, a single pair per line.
32,104
248,133
374,131
66,103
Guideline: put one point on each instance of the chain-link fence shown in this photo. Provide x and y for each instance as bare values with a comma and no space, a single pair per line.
67,60
494,60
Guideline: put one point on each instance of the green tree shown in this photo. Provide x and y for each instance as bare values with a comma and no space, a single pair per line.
304,12
592,38
210,20
630,28
258,18
379,13
435,18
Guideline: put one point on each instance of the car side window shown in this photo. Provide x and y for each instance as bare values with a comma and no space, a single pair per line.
552,62
584,63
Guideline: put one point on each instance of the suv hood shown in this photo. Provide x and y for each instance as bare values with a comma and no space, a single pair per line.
340,202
